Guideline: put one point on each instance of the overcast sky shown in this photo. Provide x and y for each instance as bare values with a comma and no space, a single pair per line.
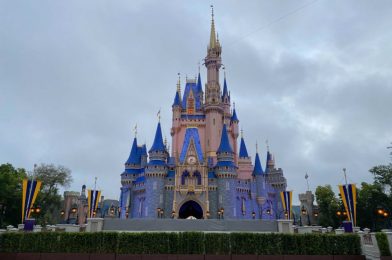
312,77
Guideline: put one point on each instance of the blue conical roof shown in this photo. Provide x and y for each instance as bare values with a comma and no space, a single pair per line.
269,158
234,116
225,92
224,146
133,156
258,170
144,149
177,100
243,150
158,140
199,88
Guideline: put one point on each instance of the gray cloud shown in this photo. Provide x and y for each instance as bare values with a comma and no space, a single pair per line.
75,77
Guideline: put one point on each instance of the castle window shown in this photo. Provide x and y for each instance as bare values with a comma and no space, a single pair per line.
198,177
191,105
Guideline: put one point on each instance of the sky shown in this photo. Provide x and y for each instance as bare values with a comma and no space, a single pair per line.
313,77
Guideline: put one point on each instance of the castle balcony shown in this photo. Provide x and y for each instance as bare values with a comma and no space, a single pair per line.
185,189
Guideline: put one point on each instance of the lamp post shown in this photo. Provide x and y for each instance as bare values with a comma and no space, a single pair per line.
160,212
221,213
382,214
72,210
173,214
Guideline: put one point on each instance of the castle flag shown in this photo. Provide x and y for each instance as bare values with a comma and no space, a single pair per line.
349,198
93,200
30,189
287,200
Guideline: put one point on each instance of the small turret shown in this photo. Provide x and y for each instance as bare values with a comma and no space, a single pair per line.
225,154
234,118
245,167
134,158
270,163
258,170
243,150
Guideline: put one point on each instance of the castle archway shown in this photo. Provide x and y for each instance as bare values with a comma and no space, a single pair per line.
190,209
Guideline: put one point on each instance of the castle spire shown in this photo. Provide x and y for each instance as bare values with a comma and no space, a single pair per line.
258,170
179,84
158,140
243,150
224,146
212,35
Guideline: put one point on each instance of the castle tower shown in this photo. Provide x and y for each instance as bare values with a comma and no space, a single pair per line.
213,108
225,170
176,109
155,172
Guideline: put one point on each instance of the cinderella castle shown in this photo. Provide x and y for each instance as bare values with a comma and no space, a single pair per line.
205,174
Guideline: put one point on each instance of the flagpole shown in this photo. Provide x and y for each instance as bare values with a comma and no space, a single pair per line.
348,196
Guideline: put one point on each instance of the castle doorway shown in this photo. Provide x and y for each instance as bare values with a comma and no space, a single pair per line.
190,209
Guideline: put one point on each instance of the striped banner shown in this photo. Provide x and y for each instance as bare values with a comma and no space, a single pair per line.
287,200
349,198
93,200
30,189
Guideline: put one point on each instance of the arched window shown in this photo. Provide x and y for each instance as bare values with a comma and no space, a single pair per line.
198,177
183,176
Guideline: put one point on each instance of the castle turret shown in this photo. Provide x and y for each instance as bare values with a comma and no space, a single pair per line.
225,170
245,167
226,98
176,108
213,108
234,129
155,172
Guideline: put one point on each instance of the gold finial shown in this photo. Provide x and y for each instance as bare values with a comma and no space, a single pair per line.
198,66
233,105
135,130
257,148
165,142
159,115
179,84
242,133
224,71
266,142
212,36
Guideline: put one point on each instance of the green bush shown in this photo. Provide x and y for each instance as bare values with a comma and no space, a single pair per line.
187,243
383,244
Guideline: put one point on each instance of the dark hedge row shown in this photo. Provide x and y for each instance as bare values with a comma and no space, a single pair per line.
182,243
383,244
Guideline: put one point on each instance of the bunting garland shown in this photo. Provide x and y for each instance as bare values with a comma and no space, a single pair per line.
287,199
30,189
349,198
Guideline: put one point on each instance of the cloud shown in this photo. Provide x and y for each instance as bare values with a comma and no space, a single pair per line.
76,77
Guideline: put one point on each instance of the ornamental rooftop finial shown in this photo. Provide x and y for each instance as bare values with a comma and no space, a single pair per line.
213,35
179,84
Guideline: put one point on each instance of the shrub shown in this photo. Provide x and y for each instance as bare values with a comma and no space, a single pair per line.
187,243
383,244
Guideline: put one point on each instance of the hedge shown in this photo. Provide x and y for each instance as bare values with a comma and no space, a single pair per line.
383,244
182,243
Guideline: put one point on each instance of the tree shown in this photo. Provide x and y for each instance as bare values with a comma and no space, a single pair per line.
383,176
52,177
371,198
11,194
328,206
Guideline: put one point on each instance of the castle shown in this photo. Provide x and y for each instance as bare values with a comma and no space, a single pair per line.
206,174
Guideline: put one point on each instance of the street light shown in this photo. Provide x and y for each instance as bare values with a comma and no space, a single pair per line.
253,214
